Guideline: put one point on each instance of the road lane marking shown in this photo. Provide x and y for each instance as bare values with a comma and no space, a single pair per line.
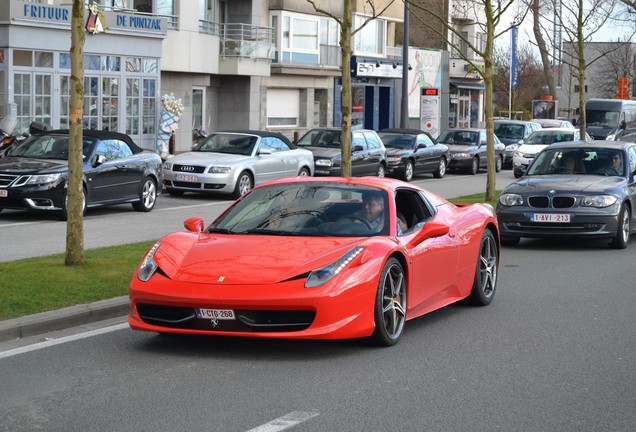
285,422
65,339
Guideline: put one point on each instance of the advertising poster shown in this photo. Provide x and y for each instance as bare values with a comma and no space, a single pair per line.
425,72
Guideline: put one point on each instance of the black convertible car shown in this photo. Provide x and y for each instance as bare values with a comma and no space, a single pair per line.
34,174
573,189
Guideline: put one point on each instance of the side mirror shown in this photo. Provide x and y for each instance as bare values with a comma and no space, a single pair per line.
431,229
100,159
264,151
356,148
622,125
194,224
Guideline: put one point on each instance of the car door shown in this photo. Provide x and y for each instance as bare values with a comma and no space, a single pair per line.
270,162
112,177
483,149
360,164
427,154
376,152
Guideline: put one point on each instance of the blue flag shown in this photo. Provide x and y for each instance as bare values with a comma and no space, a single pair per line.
514,79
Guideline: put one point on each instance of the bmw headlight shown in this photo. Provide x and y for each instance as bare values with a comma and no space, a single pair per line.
323,275
461,156
148,266
323,162
510,200
219,170
598,201
167,166
37,179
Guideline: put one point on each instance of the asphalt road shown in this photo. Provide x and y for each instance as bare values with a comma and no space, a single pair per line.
26,235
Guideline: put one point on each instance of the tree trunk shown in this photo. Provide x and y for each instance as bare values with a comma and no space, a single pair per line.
543,50
488,105
345,52
75,194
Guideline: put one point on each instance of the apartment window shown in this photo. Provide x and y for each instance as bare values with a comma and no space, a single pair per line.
283,107
480,42
143,5
577,88
208,10
198,108
371,39
297,38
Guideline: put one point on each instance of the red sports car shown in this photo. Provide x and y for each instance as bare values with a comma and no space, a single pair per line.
318,258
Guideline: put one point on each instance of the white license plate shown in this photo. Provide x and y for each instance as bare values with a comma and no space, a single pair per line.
3,193
186,178
551,217
218,314
321,172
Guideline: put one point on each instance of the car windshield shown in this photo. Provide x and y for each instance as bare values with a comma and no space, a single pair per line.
227,143
320,138
602,118
397,140
307,209
49,147
578,161
547,137
513,131
459,138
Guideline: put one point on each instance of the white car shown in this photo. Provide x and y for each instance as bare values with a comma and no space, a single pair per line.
539,140
234,162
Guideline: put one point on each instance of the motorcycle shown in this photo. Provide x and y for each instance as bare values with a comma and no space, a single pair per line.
8,137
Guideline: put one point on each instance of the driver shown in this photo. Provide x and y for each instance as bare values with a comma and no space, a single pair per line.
373,209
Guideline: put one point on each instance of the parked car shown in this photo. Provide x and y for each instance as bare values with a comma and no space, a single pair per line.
512,133
34,175
575,189
234,162
368,155
412,151
468,149
299,259
554,123
538,141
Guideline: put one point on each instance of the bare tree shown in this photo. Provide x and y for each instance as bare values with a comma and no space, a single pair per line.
617,63
75,192
493,11
346,34
548,71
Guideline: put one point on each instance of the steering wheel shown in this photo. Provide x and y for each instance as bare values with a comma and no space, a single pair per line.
358,219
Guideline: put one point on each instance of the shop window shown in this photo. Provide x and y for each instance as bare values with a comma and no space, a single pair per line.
2,93
22,99
43,59
283,107
133,112
149,65
149,104
92,62
22,58
133,64
91,102
65,101
111,63
110,103
42,98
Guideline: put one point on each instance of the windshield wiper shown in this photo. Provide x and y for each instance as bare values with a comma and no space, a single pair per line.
220,231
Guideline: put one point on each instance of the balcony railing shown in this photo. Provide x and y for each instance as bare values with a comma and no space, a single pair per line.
209,27
246,40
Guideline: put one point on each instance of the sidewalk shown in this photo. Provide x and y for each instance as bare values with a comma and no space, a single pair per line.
44,322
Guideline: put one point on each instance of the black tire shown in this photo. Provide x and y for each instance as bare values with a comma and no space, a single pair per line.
509,241
147,196
486,270
441,169
64,213
498,163
622,232
474,166
244,184
175,192
381,172
408,171
390,305
304,172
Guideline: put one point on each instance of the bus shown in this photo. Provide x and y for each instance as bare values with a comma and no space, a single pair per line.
605,117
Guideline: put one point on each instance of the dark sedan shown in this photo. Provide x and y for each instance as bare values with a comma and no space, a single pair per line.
368,155
34,174
575,189
412,151
468,149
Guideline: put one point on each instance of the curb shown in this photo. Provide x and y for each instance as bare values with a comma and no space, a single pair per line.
44,322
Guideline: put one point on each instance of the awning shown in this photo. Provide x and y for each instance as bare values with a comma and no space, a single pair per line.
468,85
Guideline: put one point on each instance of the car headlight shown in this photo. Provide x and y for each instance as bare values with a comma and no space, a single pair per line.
510,200
512,147
394,159
323,275
461,156
219,170
167,166
598,201
148,265
611,137
323,162
37,179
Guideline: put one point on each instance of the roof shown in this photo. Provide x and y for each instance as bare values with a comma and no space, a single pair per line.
519,122
616,145
258,133
100,135
405,131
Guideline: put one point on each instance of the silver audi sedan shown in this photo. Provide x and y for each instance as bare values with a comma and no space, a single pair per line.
234,162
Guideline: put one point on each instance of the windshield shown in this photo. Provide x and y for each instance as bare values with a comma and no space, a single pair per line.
578,161
48,147
8,124
549,137
398,141
227,143
308,209
459,138
321,138
507,131
604,119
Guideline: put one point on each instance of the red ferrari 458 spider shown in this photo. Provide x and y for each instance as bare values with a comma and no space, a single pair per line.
318,258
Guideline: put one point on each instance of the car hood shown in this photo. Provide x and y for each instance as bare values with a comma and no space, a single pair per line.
21,165
204,158
531,148
455,148
325,152
580,184
227,259
508,141
397,152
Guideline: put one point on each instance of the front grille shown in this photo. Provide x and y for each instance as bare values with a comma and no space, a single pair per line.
542,228
193,169
559,202
246,320
7,179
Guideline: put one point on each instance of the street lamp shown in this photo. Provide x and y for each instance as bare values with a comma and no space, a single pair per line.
404,113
